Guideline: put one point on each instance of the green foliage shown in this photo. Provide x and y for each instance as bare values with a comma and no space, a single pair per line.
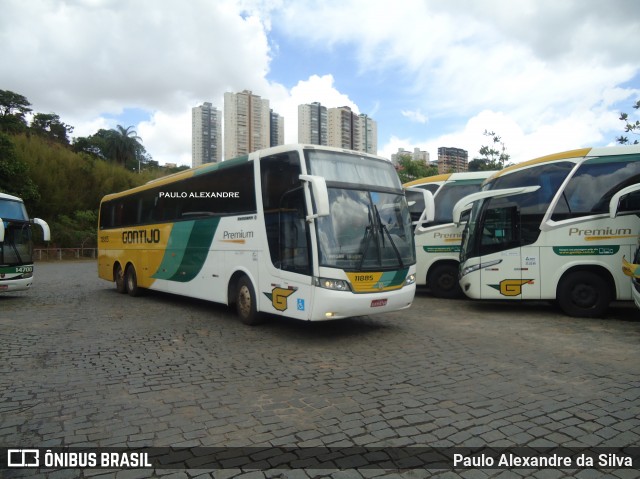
13,108
14,173
48,125
629,127
410,169
492,157
79,229
69,184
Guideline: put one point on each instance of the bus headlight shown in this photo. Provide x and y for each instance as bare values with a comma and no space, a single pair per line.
476,267
334,284
410,279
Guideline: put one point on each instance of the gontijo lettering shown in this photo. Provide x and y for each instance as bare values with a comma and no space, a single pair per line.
141,236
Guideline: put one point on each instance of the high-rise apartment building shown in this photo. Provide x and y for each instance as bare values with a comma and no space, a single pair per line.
452,160
349,130
276,129
246,123
206,134
368,129
312,124
343,128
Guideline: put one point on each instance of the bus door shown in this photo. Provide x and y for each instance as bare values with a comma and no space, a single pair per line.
288,287
510,270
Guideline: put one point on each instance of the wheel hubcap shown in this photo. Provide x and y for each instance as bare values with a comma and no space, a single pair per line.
244,301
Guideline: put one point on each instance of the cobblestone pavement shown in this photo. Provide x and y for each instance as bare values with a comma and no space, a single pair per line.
84,366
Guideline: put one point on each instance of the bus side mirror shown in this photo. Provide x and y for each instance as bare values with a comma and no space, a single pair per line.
320,195
428,214
1,231
614,204
46,232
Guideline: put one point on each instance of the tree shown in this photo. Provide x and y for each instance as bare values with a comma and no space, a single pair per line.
124,145
410,169
13,109
50,126
629,127
492,157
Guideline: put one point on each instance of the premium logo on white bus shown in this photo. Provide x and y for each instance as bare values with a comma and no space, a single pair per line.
601,233
236,236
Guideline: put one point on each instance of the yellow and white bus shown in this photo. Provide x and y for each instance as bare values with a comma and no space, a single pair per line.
554,228
438,241
16,244
306,232
632,269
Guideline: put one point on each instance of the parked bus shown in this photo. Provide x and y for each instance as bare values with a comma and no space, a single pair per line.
306,232
16,244
438,241
633,271
554,228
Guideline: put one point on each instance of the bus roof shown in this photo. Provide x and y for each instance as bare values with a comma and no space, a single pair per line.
573,154
463,175
208,167
4,196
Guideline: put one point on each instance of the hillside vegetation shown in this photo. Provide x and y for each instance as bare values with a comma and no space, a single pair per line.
62,187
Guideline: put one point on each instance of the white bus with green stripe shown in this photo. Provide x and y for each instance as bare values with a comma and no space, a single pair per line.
16,244
301,231
554,228
438,241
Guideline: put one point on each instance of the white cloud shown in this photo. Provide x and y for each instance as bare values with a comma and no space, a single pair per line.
544,74
416,116
316,88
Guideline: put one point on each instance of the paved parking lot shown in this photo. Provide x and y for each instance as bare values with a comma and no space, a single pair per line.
84,366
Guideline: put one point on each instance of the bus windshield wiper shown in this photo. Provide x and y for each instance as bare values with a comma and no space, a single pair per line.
383,230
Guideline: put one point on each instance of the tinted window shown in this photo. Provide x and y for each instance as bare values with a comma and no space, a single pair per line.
594,183
225,191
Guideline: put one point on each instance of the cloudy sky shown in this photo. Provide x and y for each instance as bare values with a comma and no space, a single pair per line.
547,75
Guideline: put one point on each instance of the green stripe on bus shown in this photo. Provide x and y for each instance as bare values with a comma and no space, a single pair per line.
187,249
219,166
394,278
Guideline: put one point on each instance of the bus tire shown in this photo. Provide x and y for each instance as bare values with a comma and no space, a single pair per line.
131,281
584,294
443,281
246,302
118,275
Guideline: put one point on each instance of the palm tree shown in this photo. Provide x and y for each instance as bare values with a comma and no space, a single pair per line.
125,144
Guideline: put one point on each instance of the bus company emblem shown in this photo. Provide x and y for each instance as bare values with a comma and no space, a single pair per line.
511,287
278,297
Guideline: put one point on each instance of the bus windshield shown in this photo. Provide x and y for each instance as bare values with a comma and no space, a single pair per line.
369,227
13,210
17,248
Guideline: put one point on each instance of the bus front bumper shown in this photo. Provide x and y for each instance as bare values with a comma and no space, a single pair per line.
16,285
329,304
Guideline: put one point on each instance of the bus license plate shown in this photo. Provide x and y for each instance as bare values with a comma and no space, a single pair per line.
378,302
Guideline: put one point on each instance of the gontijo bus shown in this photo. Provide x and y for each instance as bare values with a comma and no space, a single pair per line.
306,232
16,244
554,228
438,241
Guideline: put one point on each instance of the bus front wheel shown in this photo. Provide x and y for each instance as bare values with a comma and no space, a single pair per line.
246,302
584,294
119,279
131,280
443,281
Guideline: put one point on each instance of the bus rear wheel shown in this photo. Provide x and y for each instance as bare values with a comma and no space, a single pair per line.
443,281
118,274
246,305
584,294
131,280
